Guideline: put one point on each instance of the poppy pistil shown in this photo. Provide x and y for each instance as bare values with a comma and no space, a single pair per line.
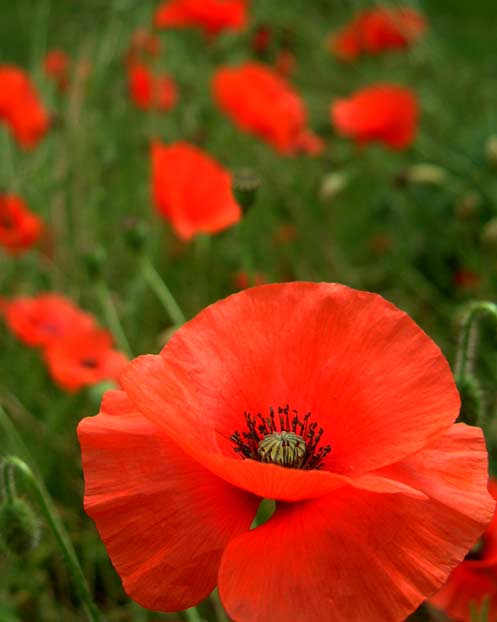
283,439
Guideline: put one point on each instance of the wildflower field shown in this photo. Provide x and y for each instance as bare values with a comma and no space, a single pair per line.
248,311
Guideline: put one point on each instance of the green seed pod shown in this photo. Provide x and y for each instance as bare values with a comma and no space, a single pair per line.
471,401
246,183
468,205
135,234
491,150
95,262
333,184
19,527
424,174
489,234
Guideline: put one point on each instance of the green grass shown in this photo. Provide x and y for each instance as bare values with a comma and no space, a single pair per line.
91,175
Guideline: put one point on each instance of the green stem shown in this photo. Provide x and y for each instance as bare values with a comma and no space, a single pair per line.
112,318
192,615
59,532
466,342
218,607
8,482
162,291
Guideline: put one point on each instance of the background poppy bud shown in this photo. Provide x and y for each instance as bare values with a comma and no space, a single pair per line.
424,173
135,234
491,150
19,527
471,400
333,184
95,261
246,183
489,234
468,204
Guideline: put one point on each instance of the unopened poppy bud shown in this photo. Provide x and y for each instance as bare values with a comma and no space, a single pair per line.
468,204
246,183
95,261
19,527
491,150
333,184
135,233
471,400
489,234
424,174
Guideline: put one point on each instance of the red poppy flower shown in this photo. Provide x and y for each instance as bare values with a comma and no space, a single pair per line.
191,190
212,16
242,279
150,92
383,113
285,63
466,278
328,400
262,39
84,358
46,318
244,92
56,66
19,228
144,45
20,107
475,579
378,30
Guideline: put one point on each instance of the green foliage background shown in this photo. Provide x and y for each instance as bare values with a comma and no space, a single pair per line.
404,240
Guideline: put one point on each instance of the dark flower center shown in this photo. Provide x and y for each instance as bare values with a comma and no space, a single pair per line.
89,363
282,439
6,222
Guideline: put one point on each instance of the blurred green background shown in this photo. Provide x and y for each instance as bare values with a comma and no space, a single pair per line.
359,217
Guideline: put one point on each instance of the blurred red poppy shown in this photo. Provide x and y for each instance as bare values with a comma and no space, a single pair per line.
262,39
21,108
40,320
475,579
244,93
285,63
150,92
191,190
56,66
466,278
383,113
328,400
212,16
243,279
377,30
20,229
83,358
144,45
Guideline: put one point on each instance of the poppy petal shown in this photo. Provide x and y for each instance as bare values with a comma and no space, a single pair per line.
164,519
379,387
392,550
447,470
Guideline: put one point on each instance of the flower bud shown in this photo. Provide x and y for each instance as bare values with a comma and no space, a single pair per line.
19,526
425,174
95,262
468,205
333,184
489,234
491,150
246,183
135,234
